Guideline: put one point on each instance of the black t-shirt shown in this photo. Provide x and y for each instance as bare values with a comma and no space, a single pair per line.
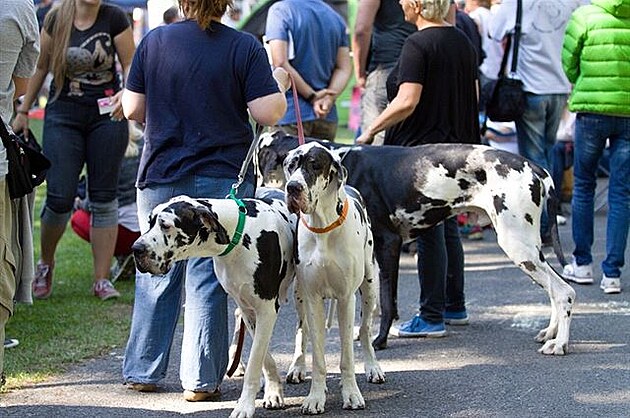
91,57
444,62
388,34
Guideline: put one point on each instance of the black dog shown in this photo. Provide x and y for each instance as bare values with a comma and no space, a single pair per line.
407,189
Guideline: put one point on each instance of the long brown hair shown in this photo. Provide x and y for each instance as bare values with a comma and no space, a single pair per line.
203,11
59,21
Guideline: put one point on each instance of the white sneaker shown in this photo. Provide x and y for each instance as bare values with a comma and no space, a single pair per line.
578,274
610,284
561,220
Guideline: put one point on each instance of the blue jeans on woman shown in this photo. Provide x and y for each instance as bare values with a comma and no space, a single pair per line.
158,299
537,130
75,134
591,132
440,271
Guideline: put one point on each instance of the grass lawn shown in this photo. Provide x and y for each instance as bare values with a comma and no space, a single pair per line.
72,325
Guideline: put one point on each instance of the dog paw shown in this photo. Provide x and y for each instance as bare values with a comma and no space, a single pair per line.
545,335
296,374
380,343
274,398
314,404
554,348
243,411
374,374
352,398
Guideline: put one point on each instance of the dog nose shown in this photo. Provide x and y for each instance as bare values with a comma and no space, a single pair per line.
294,187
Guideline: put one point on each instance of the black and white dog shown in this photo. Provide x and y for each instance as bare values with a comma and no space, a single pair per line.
256,272
334,259
408,189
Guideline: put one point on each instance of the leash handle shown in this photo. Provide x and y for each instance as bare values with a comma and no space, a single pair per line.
298,113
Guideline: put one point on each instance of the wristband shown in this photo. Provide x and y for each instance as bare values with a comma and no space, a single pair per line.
311,97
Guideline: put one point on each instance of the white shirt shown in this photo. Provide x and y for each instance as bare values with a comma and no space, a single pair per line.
542,33
493,49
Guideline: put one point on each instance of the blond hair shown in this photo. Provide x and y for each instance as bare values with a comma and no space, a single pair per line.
433,9
59,21
203,11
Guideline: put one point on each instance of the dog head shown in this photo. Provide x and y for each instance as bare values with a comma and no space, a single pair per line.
179,229
312,171
271,152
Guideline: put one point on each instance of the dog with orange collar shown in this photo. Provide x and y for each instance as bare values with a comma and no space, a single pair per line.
333,218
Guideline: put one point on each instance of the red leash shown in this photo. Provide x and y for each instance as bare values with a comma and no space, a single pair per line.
298,114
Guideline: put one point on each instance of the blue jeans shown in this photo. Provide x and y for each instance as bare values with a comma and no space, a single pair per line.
591,132
537,130
76,135
158,299
440,271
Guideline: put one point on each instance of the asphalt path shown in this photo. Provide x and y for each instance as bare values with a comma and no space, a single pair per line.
490,368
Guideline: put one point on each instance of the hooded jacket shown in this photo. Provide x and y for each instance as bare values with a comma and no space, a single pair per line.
596,57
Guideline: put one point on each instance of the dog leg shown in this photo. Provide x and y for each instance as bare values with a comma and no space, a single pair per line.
526,253
373,372
316,399
274,395
261,334
240,370
351,395
387,250
297,370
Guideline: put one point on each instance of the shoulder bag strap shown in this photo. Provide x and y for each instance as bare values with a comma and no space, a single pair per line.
517,34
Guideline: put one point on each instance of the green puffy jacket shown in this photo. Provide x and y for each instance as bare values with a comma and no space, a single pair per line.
596,57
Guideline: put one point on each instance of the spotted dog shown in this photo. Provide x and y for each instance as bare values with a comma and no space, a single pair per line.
334,260
408,189
256,272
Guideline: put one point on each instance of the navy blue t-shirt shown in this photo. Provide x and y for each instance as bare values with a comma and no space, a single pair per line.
197,84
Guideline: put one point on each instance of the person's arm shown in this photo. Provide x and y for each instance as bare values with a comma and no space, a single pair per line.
20,123
133,105
572,47
398,110
21,84
268,110
338,81
362,38
280,59
125,48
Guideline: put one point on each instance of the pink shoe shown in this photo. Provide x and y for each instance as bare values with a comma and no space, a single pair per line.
42,283
104,289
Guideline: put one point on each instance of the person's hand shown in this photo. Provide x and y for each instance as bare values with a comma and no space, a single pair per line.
20,123
117,114
323,106
365,138
282,78
360,82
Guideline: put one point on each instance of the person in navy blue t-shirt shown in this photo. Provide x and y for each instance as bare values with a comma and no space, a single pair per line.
192,83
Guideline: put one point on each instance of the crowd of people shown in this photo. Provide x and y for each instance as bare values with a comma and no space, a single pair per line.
425,68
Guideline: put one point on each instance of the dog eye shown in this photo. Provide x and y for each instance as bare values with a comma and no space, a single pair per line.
164,225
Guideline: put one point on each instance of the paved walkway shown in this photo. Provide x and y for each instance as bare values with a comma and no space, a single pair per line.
487,369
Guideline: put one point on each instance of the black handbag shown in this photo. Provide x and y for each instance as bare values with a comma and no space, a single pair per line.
507,102
27,164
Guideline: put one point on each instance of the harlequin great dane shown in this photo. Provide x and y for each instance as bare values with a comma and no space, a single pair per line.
408,189
334,259
256,272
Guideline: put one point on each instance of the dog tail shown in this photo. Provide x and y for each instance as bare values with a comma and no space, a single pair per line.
553,203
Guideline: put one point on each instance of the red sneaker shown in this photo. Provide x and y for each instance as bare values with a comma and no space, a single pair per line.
42,283
104,289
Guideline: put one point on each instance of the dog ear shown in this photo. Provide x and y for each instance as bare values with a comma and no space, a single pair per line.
342,172
211,221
